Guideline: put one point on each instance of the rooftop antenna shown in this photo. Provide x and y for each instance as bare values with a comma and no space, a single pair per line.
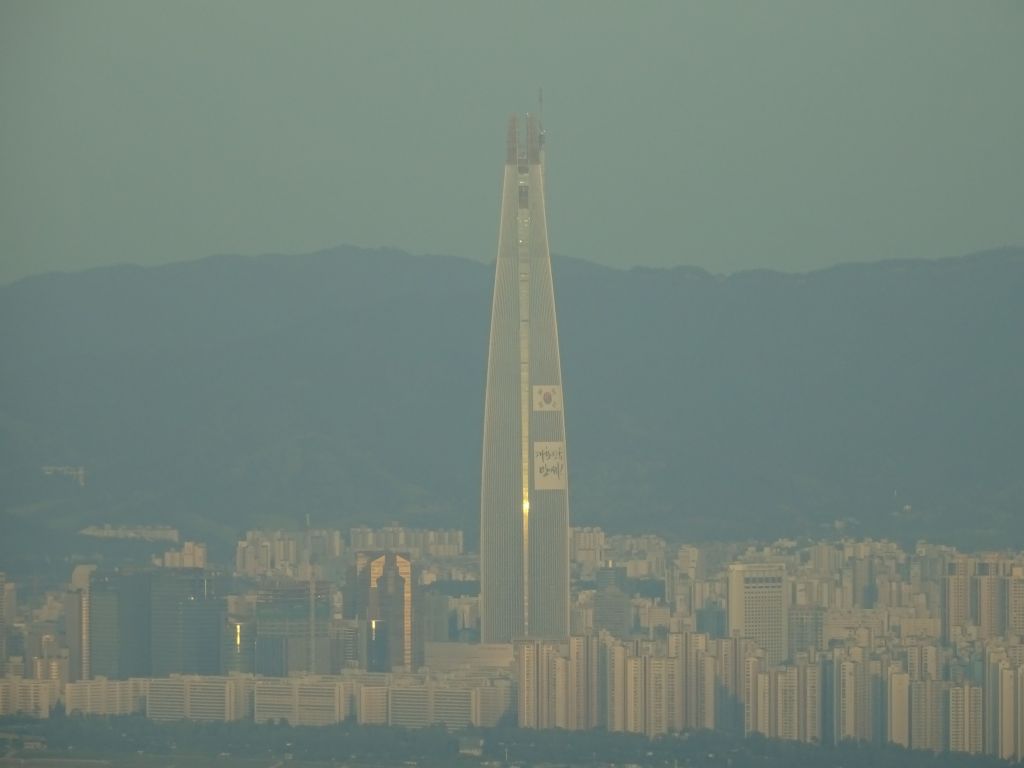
540,113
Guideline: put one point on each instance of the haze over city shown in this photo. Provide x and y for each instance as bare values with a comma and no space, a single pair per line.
785,136
362,403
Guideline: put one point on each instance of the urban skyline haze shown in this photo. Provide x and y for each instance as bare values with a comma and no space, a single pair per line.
148,133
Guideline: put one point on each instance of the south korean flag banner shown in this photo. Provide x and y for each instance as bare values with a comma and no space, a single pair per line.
547,397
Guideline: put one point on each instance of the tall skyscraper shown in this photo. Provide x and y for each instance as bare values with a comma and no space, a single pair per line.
119,629
524,495
382,591
291,632
186,620
3,626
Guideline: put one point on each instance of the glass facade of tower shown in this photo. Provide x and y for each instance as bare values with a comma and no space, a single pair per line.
524,500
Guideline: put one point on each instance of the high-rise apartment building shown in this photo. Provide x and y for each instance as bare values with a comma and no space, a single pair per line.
965,719
929,721
542,677
956,596
1015,601
524,498
989,595
1006,705
897,708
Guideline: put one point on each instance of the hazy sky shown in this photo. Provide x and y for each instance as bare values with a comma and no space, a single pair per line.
784,135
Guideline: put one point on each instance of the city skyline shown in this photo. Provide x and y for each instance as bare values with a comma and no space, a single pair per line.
304,484
821,641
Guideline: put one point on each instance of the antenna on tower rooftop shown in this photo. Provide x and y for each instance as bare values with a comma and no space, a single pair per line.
540,115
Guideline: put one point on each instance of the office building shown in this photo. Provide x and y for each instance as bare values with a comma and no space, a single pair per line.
186,620
381,590
118,625
613,609
758,607
292,629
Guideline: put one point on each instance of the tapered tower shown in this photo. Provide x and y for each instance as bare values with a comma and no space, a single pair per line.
524,495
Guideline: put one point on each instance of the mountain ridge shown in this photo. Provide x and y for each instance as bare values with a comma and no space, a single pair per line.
233,391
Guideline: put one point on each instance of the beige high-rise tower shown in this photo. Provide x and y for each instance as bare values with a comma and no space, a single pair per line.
758,607
524,494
